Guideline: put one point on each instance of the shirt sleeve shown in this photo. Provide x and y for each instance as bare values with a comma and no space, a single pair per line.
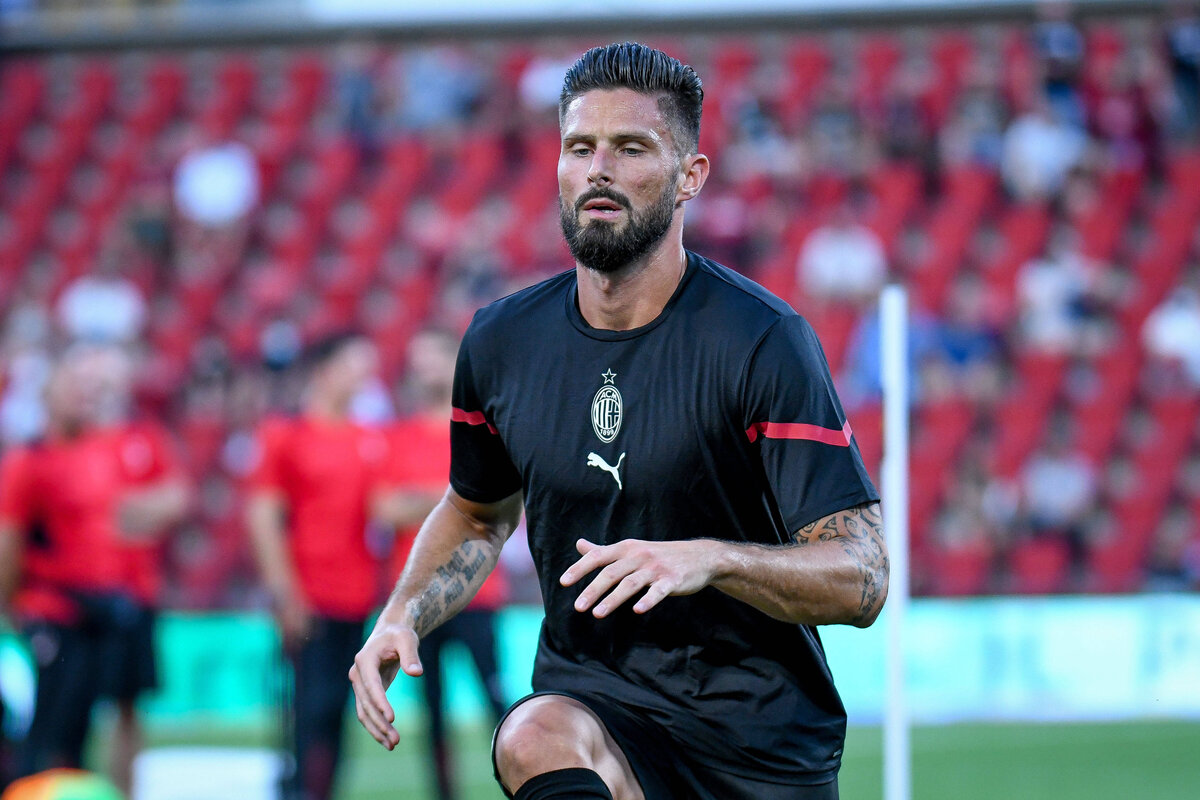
268,473
16,496
480,468
794,418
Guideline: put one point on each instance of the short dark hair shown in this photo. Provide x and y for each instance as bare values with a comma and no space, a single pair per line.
629,65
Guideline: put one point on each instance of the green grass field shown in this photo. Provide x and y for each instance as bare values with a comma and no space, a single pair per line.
1111,761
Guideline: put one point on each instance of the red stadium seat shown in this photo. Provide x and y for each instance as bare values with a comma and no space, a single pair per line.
1040,566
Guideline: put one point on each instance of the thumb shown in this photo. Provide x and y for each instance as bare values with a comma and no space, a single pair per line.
407,651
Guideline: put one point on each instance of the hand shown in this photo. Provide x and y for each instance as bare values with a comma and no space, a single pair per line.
660,568
388,649
295,619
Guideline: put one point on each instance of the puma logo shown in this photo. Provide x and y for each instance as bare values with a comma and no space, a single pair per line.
596,461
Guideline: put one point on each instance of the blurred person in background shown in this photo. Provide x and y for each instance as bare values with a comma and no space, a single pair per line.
1171,334
416,480
1059,487
843,260
1039,149
63,561
157,497
1182,34
1059,45
307,516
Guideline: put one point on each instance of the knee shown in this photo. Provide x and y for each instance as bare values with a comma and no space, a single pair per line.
540,735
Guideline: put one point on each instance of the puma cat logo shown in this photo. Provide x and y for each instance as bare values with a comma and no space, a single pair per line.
596,461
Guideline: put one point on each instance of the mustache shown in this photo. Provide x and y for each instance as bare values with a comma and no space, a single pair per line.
600,193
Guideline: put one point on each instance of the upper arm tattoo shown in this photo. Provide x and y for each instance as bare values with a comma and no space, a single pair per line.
859,531
453,583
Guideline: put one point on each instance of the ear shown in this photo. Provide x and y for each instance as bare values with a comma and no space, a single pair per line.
693,174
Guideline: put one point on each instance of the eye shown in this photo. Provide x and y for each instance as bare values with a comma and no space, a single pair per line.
580,150
630,150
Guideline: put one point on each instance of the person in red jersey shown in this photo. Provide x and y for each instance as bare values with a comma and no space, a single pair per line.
156,497
62,569
420,468
307,516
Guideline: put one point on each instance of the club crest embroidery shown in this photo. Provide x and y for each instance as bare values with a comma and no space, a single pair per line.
607,409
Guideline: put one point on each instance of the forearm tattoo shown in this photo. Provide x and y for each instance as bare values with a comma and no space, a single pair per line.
859,530
453,583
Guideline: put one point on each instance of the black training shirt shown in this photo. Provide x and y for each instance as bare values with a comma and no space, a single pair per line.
716,420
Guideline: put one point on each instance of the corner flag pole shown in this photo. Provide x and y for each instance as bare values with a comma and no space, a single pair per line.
897,755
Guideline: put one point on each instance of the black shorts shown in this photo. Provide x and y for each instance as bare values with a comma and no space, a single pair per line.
666,771
128,665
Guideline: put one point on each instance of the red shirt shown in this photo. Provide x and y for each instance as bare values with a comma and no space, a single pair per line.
421,462
325,472
62,496
147,457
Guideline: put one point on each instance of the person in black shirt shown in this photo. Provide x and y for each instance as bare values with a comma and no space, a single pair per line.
696,502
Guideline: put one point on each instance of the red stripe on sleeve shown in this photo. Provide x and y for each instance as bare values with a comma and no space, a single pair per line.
800,430
471,418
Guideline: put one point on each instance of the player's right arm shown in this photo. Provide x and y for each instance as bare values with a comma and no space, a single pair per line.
14,515
457,548
265,514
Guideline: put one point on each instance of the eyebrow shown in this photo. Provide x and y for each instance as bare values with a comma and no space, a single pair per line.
619,136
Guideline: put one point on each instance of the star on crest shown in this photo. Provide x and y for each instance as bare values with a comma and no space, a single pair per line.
608,376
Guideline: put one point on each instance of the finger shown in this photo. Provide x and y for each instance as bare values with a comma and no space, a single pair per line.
591,560
584,546
654,595
368,717
602,583
370,679
627,588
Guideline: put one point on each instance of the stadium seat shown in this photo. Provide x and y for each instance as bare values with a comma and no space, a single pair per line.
1039,566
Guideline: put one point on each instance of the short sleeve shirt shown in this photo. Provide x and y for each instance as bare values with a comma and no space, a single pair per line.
325,471
718,420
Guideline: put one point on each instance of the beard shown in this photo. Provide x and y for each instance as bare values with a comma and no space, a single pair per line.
600,245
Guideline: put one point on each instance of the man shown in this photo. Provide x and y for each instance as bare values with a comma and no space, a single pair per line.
61,560
420,463
307,516
695,501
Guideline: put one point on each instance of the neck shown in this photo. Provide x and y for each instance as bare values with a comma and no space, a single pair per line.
326,407
636,294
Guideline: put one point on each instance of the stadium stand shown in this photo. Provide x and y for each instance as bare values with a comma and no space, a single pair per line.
366,218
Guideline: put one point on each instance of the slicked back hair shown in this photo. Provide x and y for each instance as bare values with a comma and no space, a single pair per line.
629,65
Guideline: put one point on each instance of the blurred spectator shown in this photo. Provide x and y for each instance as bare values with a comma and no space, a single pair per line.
1122,120
1172,333
356,95
861,382
1182,32
842,260
1174,561
970,343
217,185
1059,46
1058,490
1039,150
1062,298
974,133
104,306
438,87
837,139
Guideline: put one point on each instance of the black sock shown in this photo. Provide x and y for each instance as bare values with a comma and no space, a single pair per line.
568,784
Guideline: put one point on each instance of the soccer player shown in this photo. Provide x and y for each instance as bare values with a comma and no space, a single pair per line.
696,502
307,516
61,559
420,464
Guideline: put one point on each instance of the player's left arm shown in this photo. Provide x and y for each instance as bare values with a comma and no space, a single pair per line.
836,571
147,512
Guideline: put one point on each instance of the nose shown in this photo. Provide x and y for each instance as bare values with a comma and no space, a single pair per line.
600,170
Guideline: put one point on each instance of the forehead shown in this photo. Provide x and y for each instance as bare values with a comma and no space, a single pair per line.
602,112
